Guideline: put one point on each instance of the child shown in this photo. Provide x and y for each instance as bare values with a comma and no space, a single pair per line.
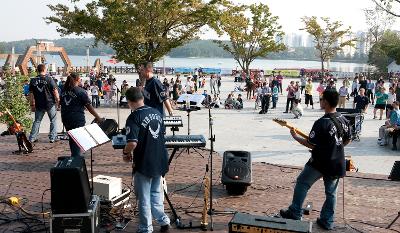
275,92
239,102
297,109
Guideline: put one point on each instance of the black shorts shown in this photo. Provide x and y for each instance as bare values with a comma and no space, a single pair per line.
380,106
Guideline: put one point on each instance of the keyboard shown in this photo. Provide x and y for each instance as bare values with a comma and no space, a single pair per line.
172,121
179,141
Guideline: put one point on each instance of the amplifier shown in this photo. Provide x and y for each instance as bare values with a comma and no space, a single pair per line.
119,141
107,187
247,223
87,222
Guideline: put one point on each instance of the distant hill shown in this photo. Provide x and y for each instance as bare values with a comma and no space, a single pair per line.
195,48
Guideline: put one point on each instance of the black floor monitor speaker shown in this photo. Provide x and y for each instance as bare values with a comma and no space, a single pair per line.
236,171
70,189
395,173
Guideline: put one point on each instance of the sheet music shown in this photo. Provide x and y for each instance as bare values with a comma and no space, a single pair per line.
97,133
82,138
197,98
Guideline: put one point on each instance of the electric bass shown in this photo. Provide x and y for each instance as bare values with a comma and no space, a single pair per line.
25,146
286,124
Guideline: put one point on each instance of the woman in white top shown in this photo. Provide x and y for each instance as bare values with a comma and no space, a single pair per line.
390,101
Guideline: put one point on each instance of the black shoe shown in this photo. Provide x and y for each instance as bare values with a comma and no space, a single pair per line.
394,148
165,228
322,225
261,112
285,112
288,214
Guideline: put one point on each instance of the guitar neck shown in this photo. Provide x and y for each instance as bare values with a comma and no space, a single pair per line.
11,116
298,131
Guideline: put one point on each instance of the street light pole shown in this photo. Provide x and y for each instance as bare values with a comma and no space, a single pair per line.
87,59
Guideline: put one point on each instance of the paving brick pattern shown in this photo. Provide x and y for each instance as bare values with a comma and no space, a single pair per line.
369,198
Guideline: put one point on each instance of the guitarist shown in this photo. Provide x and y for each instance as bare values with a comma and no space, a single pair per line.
327,139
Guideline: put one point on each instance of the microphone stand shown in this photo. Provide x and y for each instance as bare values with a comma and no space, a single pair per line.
211,211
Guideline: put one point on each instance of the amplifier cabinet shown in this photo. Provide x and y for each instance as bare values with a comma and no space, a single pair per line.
87,222
247,223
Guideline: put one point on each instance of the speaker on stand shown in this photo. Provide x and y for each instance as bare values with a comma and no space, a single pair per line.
236,171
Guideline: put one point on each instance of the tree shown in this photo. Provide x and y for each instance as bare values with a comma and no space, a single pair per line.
385,51
329,38
250,36
138,30
12,98
378,21
390,6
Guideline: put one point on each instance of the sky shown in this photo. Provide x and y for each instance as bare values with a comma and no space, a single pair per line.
23,19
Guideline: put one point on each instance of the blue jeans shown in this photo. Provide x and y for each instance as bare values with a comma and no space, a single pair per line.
306,179
150,197
39,113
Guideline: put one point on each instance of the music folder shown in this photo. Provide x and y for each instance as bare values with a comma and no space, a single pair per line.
88,137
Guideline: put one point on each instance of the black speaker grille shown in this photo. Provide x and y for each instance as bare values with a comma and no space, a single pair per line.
237,170
395,173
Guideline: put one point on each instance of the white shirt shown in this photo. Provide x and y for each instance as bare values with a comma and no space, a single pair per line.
94,90
391,98
189,86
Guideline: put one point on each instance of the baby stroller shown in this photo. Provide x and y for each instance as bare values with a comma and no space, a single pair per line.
356,119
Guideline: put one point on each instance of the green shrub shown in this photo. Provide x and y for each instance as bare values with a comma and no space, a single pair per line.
12,97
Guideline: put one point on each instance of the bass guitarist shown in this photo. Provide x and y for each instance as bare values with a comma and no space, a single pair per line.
327,139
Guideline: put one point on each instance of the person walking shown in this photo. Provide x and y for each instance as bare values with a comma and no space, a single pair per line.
381,99
303,82
74,101
290,97
361,101
308,94
265,98
343,93
212,84
275,92
279,78
44,98
328,137
146,151
370,90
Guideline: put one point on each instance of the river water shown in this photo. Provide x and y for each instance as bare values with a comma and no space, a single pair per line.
223,63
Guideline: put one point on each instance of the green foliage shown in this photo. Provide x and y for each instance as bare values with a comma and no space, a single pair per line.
328,37
378,21
12,98
385,51
252,31
138,30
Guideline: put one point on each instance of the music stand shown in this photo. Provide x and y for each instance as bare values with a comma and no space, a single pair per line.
87,138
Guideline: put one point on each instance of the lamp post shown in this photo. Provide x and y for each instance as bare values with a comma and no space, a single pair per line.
87,59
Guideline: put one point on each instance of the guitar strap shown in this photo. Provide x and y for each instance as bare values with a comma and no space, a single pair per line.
338,125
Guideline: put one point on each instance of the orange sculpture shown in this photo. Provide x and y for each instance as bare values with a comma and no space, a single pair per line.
31,55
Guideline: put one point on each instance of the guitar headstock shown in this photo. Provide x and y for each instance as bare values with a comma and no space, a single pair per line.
280,121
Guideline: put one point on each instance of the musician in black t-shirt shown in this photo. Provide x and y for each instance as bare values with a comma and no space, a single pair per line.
44,98
327,139
154,94
74,100
145,138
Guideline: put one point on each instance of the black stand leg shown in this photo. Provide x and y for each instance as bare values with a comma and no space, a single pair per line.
91,169
394,220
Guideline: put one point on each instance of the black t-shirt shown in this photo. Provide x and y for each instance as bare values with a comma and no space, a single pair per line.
154,94
145,126
361,101
73,104
328,154
363,84
42,88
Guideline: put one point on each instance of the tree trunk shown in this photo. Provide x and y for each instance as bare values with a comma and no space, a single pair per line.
141,78
322,67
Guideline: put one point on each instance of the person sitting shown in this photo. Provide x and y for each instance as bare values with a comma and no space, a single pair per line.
390,125
207,99
229,102
239,102
216,102
297,109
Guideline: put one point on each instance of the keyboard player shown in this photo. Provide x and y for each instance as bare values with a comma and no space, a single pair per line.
145,139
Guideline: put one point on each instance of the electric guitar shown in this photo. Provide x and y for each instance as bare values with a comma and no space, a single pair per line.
25,146
286,124
350,164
